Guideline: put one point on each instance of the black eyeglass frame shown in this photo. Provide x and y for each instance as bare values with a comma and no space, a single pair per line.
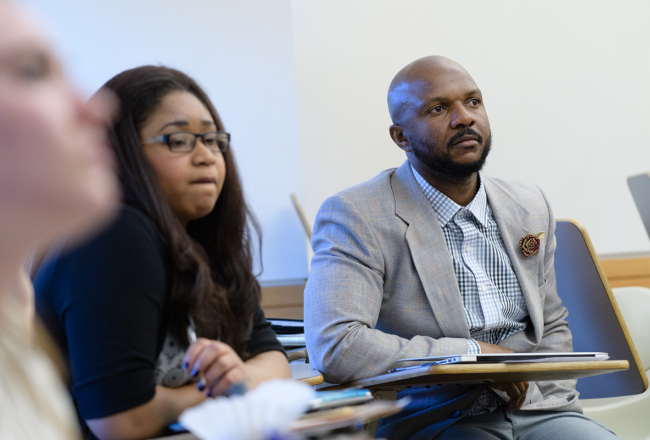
165,138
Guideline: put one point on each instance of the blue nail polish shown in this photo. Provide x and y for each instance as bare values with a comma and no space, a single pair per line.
208,394
184,365
194,372
201,386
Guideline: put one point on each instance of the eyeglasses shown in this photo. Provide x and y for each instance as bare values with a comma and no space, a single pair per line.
185,141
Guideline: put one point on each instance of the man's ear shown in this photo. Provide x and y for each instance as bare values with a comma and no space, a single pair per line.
398,136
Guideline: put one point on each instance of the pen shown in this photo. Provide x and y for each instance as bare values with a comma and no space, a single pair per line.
191,336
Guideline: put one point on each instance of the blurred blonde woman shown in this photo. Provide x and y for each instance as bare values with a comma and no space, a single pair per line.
56,178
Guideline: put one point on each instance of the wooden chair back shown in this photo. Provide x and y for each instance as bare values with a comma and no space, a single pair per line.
594,316
301,214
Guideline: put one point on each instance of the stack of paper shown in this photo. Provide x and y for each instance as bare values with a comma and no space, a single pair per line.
265,412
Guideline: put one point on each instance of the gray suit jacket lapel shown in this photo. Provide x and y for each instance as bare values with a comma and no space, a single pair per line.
429,253
511,220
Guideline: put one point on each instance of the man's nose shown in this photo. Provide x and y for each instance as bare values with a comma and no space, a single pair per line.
461,117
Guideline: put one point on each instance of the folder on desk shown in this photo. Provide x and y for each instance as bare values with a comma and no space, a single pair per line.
287,326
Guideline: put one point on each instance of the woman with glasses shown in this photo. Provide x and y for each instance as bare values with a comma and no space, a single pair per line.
56,177
163,309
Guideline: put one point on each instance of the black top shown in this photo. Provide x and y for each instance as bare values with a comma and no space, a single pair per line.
105,304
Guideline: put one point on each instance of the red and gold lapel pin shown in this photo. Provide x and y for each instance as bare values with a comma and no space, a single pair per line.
530,243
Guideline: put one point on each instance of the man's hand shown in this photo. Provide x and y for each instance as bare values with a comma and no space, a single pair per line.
515,390
491,348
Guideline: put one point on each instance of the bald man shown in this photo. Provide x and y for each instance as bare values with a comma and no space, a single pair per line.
425,260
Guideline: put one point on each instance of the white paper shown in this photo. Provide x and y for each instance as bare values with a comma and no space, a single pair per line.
268,409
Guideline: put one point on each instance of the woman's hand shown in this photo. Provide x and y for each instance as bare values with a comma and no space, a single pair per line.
216,361
218,364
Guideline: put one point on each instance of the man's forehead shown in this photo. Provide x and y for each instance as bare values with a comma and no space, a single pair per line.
438,79
420,91
425,80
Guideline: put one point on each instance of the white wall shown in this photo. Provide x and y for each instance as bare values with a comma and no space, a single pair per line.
241,52
565,84
301,84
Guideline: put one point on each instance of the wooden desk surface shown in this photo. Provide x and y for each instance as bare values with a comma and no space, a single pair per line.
477,373
468,373
305,373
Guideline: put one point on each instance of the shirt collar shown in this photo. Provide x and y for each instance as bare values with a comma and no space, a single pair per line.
446,209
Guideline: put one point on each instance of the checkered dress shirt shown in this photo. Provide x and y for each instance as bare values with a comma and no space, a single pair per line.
494,306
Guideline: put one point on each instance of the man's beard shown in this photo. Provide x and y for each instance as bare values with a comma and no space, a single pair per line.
442,163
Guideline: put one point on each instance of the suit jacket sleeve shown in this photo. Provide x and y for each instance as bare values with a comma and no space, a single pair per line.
343,299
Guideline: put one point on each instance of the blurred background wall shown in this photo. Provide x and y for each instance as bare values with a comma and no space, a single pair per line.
301,85
241,52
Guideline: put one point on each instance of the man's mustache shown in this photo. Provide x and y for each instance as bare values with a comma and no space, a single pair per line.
464,132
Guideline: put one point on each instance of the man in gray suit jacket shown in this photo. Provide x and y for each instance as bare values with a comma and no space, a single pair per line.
435,258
